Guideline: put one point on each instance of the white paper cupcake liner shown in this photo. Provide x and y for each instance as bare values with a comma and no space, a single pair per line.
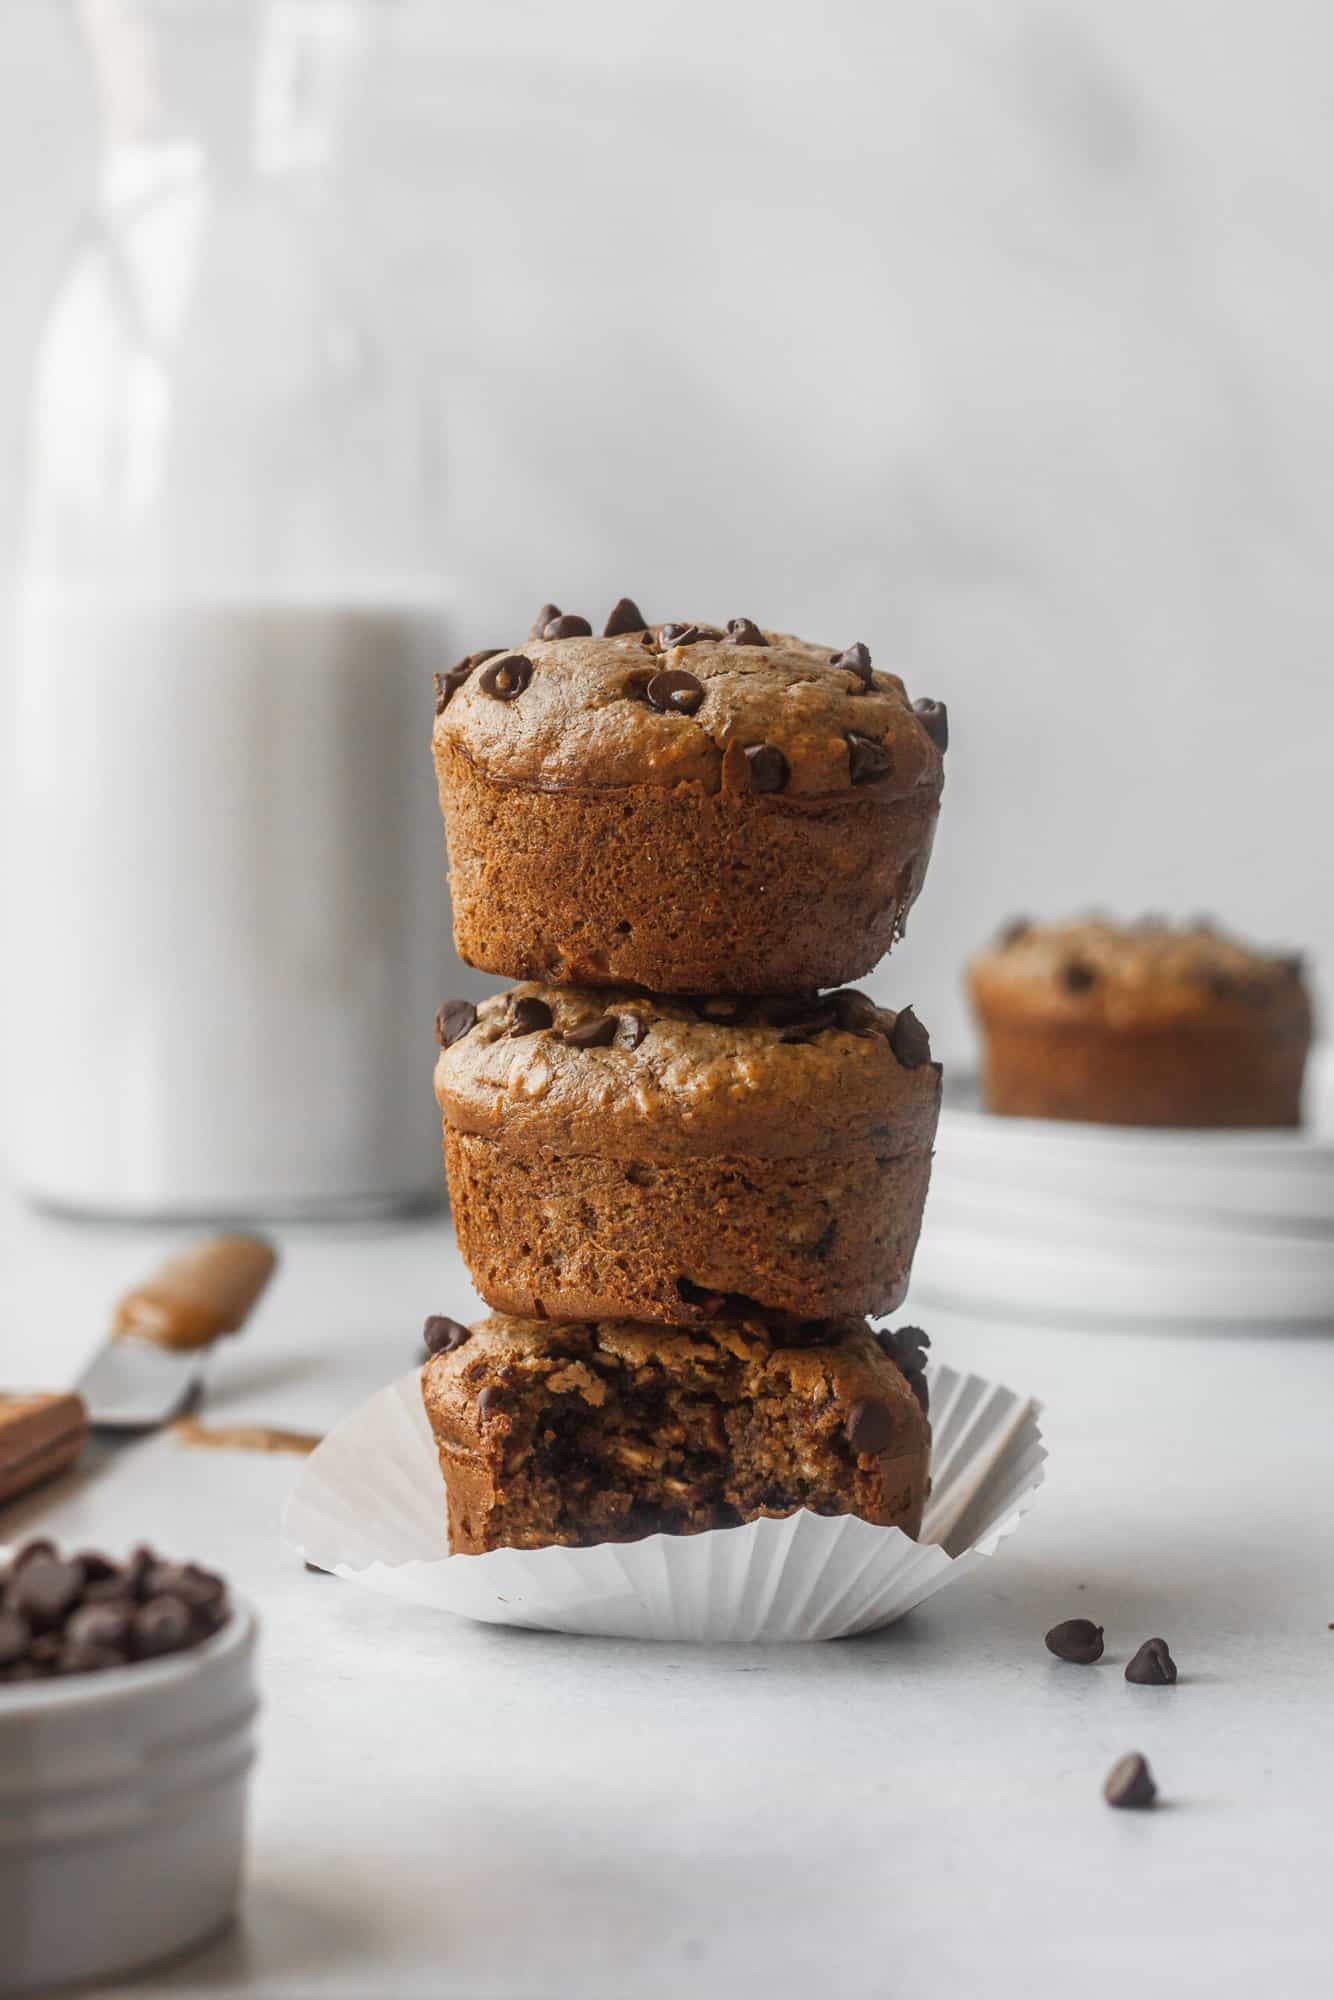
370,1506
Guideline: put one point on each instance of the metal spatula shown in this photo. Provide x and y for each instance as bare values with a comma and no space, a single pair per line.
162,1333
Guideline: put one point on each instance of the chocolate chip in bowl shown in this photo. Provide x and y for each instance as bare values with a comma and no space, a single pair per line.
113,1671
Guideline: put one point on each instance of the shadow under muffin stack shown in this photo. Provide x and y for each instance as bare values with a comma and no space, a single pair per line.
682,1169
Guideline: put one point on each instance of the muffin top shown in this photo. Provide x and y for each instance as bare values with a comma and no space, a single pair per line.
730,709
816,1360
1149,970
634,1076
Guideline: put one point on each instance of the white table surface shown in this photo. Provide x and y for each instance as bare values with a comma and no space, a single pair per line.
453,1810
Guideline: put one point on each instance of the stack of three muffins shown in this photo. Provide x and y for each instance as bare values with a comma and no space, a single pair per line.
681,1173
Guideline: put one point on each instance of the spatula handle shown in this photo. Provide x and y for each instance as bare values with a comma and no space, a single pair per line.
207,1290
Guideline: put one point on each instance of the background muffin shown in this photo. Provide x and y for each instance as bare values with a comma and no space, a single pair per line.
614,1153
1140,1024
683,808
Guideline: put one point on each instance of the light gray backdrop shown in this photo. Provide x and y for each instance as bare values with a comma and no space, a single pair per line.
998,336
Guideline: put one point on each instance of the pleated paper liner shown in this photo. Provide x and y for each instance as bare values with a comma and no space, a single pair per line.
370,1506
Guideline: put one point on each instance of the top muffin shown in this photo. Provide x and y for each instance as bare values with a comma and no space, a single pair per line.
792,787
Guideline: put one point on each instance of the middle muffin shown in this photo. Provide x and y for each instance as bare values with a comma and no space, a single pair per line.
615,1154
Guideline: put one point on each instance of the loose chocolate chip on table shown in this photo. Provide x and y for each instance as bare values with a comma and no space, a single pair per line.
856,660
528,1015
1077,977
675,693
598,1034
678,635
744,632
909,1040
441,1335
507,677
624,616
1077,1640
867,759
453,1021
869,1427
568,626
490,1399
15,1634
934,718
44,1590
545,617
633,1030
1130,1782
1152,1666
768,767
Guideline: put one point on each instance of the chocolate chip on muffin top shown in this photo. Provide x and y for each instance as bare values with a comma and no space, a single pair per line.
606,1070
730,707
1093,964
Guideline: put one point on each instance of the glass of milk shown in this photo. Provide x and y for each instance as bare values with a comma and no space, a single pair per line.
229,905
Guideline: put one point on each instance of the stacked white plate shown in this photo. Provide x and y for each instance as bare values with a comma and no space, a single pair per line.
1095,1222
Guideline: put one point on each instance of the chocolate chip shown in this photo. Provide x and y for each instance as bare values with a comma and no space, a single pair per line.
15,1634
1152,1666
99,1625
570,626
856,660
546,616
1077,977
1130,1782
448,685
867,759
453,1021
508,676
30,1552
768,767
869,1427
855,1014
634,1030
96,1567
441,1335
678,635
160,1626
116,1589
676,693
1078,1640
598,1034
906,1348
1018,927
490,1399
528,1015
744,632
909,1040
45,1590
934,718
624,616
816,1022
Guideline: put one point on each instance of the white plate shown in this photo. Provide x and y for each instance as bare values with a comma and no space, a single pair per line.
1256,1176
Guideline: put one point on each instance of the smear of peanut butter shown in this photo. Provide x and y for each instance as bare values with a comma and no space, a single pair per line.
244,1437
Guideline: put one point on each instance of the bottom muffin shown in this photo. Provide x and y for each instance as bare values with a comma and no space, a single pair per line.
580,1433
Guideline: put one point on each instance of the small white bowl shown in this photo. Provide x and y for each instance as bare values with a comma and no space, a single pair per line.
122,1810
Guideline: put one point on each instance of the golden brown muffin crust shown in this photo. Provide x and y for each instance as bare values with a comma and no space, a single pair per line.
783,1080
584,717
1134,974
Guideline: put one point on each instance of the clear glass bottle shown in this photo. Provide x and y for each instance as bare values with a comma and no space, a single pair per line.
230,905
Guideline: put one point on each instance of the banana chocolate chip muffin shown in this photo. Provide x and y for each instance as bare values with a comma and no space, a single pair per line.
685,808
610,1431
613,1153
1140,1024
